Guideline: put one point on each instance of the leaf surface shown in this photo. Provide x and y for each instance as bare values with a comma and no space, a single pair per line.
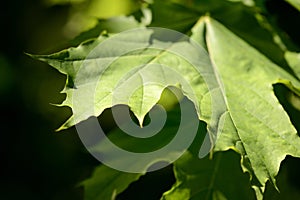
293,60
100,78
294,3
255,125
107,183
231,88
217,179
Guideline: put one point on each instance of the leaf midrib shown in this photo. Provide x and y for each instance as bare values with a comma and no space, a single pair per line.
227,105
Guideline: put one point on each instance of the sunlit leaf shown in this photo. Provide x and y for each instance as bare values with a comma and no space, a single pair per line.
294,3
255,119
230,85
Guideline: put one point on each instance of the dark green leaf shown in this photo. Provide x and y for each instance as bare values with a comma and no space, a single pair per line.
217,179
107,183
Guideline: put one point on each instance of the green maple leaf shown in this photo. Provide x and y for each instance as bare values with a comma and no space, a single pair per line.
231,90
90,79
255,125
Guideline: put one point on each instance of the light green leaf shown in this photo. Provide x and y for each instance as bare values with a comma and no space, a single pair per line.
293,60
285,181
216,179
191,71
249,23
231,89
255,125
107,183
116,25
295,3
84,15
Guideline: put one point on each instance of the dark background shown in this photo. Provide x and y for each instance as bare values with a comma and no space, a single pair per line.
35,161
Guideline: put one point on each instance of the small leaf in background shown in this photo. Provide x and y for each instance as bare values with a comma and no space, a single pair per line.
84,15
107,183
217,178
115,25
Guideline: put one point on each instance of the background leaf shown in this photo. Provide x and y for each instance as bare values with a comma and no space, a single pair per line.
219,178
107,183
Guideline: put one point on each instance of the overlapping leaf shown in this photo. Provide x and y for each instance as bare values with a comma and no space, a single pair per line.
248,118
293,60
213,179
255,119
90,80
